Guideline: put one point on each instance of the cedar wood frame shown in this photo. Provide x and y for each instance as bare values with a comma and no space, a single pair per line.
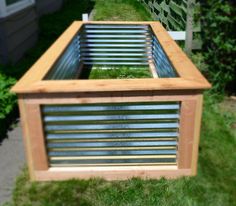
33,91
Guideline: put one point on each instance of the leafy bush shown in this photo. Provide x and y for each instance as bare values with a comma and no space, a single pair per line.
7,99
7,102
218,24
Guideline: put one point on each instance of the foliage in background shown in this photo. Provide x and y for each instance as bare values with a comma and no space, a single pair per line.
7,102
219,42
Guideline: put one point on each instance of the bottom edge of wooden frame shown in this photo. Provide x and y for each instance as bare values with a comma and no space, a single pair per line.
53,175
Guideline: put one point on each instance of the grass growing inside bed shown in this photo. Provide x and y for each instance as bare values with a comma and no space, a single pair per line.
115,72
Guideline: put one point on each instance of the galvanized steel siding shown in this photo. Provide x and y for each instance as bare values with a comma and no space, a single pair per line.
112,134
112,45
116,44
163,66
67,65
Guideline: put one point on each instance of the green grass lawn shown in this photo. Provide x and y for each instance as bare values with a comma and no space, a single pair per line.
215,183
120,10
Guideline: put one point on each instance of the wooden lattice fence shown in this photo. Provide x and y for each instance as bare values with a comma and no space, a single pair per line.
176,15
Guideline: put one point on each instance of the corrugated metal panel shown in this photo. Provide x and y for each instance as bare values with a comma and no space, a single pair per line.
112,45
124,40
67,65
161,61
112,134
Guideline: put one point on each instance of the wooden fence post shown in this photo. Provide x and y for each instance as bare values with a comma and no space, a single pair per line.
189,26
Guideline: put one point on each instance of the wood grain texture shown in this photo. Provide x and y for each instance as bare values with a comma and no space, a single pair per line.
26,137
35,138
114,173
188,142
65,86
197,128
189,76
186,133
189,25
187,88
123,168
108,97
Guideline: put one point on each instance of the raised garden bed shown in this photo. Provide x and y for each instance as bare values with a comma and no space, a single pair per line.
114,100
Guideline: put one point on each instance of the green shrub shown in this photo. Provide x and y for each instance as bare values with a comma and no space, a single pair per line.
218,24
7,102
7,99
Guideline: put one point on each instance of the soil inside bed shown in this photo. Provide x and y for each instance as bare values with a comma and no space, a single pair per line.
115,72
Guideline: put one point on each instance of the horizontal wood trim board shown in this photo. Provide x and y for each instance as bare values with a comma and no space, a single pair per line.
64,86
96,98
114,174
123,168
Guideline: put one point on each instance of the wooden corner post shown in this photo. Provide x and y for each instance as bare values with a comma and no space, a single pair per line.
190,122
34,140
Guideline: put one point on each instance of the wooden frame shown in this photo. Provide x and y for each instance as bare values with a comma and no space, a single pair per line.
33,92
189,76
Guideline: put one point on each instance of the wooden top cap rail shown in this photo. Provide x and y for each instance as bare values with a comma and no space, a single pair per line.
189,76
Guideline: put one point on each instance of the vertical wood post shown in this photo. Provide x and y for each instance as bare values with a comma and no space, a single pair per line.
189,26
197,128
186,137
33,137
190,122
26,139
